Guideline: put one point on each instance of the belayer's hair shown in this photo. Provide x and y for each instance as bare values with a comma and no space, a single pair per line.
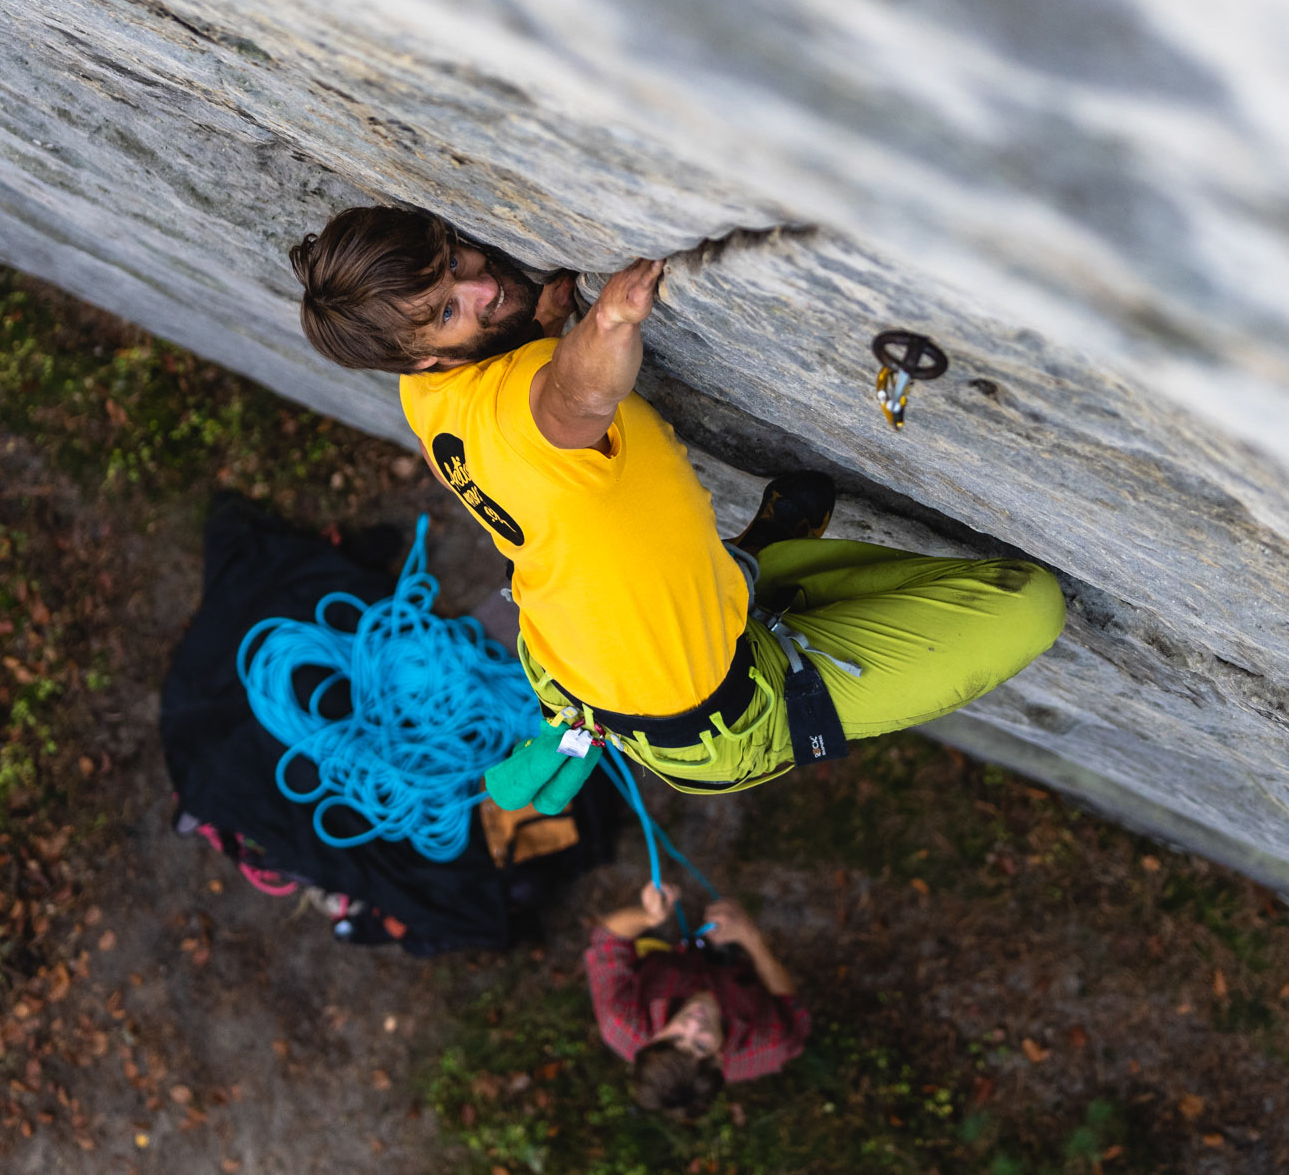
365,276
668,1078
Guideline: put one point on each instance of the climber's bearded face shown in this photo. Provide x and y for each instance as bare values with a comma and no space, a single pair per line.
483,306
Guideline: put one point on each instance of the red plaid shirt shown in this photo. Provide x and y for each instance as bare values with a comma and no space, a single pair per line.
634,999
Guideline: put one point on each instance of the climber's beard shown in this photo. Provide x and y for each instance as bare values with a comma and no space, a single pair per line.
512,326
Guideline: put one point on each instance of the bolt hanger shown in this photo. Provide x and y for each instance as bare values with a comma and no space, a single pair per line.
904,357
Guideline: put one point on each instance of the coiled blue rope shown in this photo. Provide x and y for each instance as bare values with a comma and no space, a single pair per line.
434,704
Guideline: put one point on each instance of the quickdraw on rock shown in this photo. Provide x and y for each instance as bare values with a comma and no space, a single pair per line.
904,357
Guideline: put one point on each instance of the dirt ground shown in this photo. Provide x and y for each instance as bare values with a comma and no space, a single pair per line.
159,1015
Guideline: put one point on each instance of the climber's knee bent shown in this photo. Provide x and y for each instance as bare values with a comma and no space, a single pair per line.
929,635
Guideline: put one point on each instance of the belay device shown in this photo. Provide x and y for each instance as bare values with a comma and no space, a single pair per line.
904,357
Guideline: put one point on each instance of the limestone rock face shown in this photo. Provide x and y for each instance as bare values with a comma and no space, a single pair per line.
1086,205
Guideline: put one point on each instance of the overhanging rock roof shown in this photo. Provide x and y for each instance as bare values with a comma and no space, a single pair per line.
1085,205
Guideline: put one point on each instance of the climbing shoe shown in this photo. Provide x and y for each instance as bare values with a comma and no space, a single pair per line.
794,506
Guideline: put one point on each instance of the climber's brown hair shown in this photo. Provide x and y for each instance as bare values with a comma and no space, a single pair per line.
668,1078
365,276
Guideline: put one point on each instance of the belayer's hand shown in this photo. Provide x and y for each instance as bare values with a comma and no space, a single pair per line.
731,924
627,297
658,903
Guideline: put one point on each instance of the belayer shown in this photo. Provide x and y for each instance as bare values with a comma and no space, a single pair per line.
717,665
690,1018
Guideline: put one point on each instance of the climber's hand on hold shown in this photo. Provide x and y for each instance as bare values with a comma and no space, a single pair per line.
627,297
594,367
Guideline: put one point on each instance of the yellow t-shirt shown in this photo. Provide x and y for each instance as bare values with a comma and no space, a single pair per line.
625,593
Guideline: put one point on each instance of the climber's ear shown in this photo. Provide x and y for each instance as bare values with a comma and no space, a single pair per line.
435,363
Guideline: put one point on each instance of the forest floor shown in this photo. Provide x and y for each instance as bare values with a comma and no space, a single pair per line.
999,981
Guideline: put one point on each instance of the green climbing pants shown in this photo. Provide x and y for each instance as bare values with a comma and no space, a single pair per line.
929,635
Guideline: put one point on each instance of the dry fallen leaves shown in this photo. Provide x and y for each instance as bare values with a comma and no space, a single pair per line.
107,940
60,980
1034,1051
486,1085
921,886
180,1094
1150,864
380,1079
1214,1139
1192,1106
1219,985
982,1089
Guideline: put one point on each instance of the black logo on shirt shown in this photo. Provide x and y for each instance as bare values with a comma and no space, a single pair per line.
449,455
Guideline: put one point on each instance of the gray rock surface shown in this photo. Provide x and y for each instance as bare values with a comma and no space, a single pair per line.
1086,204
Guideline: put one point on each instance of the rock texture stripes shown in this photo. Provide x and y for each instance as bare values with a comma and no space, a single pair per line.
1086,205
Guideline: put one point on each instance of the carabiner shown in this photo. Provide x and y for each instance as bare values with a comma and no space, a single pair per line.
918,358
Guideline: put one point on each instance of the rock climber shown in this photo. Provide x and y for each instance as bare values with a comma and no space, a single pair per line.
690,1018
717,665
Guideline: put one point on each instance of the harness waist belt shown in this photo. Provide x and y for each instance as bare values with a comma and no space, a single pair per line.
730,699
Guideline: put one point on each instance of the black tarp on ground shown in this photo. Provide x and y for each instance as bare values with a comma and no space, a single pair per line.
222,761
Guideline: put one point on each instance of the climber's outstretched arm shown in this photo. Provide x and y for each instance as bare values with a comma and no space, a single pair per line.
594,367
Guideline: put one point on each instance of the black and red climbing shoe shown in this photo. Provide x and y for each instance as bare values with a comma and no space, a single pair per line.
794,506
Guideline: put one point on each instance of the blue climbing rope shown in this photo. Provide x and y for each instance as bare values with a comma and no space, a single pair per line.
616,768
433,704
